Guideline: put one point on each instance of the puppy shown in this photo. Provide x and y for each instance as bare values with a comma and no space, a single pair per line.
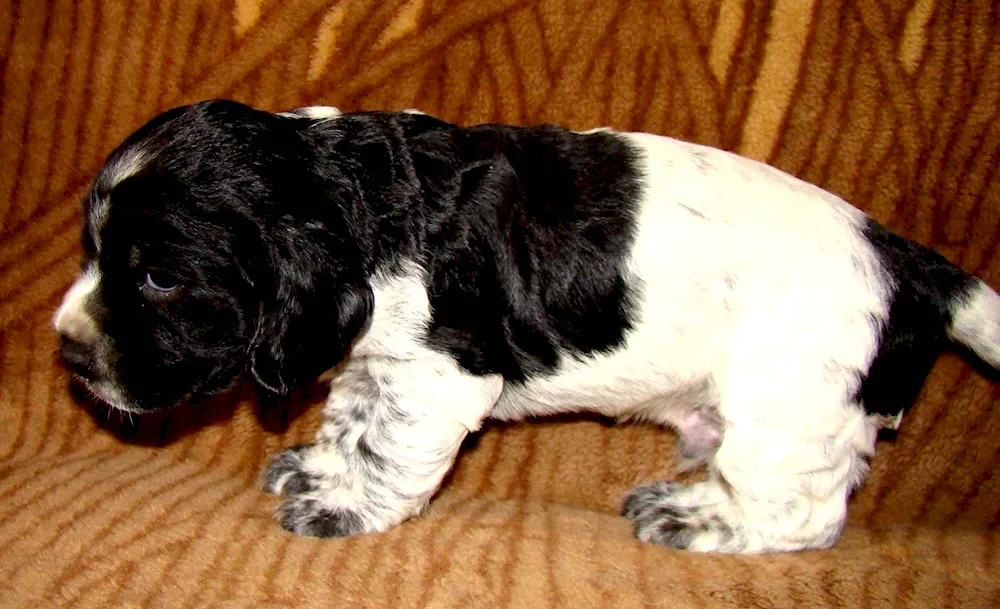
461,273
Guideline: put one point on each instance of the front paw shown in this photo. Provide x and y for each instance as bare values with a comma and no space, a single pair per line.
308,516
286,474
310,509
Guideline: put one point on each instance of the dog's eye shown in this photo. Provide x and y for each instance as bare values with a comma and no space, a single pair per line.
161,282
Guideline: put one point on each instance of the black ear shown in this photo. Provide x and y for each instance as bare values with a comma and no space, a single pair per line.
308,331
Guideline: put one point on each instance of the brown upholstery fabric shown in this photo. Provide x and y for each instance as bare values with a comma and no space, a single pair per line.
890,103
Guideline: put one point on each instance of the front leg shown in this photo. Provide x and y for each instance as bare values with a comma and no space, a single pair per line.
391,431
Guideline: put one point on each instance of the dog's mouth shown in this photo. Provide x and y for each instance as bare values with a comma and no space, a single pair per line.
107,393
87,371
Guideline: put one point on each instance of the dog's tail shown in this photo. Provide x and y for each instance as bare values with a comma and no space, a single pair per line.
975,321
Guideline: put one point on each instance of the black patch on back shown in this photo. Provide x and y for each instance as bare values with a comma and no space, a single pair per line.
924,287
526,238
523,232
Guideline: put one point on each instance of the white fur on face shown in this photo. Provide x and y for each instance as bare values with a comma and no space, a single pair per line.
71,318
130,163
73,321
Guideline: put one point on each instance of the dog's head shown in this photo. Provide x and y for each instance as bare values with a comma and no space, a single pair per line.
213,245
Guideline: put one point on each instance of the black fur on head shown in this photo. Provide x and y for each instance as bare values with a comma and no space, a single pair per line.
222,201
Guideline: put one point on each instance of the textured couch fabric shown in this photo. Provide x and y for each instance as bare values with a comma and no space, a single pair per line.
892,104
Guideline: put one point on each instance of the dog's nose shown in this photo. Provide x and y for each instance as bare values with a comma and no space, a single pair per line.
77,356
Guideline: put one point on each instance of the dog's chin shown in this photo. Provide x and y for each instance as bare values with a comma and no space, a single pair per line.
110,394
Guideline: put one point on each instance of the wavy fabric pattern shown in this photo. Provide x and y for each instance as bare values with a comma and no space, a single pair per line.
890,103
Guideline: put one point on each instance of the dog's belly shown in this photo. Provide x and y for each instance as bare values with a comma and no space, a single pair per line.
621,385
620,391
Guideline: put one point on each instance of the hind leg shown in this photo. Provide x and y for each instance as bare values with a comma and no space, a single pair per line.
752,503
779,480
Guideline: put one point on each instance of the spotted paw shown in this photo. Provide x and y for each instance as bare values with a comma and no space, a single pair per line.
307,510
642,498
309,517
663,513
286,476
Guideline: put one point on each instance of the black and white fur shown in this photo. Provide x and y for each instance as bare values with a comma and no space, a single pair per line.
457,274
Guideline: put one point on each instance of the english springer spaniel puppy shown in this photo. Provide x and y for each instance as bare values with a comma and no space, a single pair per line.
453,274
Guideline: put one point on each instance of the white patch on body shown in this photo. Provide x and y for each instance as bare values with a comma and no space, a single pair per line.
733,263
